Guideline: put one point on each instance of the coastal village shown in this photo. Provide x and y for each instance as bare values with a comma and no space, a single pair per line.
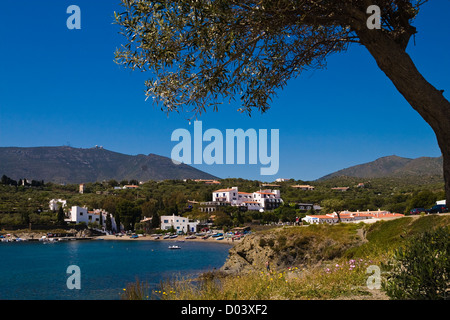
260,200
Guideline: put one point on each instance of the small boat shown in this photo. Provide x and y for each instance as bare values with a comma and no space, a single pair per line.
174,247
173,237
166,237
220,238
217,235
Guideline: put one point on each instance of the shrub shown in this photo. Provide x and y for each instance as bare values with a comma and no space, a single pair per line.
138,290
262,242
421,269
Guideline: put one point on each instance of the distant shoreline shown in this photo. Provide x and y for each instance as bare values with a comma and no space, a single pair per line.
179,239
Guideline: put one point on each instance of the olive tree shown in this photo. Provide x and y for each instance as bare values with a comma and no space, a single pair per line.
201,53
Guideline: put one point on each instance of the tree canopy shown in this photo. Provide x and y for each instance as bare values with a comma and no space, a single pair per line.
203,52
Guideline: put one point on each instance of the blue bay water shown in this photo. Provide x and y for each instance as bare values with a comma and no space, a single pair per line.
37,271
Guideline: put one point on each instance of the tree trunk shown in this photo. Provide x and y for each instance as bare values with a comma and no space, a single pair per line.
421,95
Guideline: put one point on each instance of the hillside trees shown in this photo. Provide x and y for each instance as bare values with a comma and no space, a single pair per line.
129,213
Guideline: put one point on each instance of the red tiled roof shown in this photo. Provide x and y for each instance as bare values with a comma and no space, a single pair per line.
224,190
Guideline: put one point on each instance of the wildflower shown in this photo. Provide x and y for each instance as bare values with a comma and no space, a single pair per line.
124,289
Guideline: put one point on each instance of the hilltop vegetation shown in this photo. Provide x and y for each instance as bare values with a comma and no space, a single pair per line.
393,166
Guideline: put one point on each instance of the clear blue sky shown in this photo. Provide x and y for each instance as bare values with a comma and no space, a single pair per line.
60,86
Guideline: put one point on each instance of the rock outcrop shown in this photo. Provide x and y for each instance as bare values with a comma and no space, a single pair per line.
287,247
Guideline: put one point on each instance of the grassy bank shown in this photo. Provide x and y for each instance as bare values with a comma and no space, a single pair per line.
340,275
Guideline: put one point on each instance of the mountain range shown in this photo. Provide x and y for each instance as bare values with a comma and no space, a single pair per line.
392,166
76,165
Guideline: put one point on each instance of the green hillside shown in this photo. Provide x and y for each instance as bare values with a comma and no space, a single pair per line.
393,166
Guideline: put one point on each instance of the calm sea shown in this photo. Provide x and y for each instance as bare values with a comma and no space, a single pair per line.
35,271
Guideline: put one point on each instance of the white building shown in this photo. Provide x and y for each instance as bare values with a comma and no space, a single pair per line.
263,199
180,224
304,187
81,214
55,203
347,216
226,195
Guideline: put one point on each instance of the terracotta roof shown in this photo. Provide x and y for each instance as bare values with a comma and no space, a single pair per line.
323,217
224,190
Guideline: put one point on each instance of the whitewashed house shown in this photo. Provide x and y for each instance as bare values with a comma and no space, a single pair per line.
347,216
180,224
55,203
81,214
263,199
